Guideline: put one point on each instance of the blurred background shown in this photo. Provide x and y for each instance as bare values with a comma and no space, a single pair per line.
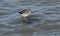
44,19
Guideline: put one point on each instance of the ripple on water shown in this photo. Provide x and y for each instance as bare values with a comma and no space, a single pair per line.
44,18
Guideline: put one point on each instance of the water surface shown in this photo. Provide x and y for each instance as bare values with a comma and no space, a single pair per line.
44,19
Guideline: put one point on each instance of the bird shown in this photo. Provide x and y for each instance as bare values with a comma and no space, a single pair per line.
25,13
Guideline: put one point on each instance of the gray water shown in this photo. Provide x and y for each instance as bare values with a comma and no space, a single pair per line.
44,19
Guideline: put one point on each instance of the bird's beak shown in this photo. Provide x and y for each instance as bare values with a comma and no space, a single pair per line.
20,12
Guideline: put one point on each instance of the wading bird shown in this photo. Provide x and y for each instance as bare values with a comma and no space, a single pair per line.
25,13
